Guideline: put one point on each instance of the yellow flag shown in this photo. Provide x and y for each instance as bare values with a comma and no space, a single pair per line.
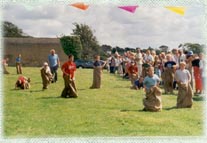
178,10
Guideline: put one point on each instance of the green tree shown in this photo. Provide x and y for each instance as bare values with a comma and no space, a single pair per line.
195,47
71,45
11,30
88,40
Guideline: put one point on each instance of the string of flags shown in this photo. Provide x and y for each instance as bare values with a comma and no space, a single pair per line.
132,9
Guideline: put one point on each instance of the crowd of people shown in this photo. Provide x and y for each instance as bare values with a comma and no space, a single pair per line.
174,70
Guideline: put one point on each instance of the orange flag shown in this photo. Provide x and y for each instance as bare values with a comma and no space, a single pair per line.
80,5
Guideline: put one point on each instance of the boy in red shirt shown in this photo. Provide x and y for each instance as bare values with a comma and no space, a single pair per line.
68,69
133,73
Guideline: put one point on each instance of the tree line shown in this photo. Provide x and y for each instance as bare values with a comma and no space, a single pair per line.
83,44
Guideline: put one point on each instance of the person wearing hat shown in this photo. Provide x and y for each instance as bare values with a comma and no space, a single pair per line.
68,69
185,92
46,75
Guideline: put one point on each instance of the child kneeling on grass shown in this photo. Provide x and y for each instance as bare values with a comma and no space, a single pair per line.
22,83
139,83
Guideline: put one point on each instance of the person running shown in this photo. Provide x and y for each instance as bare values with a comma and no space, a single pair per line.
68,69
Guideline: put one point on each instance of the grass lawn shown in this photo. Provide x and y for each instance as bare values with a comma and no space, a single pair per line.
113,110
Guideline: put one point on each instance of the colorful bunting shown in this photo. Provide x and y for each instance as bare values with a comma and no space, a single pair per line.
80,5
178,10
131,9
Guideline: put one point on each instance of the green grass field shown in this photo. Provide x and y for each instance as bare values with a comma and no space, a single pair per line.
114,110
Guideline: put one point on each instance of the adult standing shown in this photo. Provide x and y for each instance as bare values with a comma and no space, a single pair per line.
185,92
54,63
197,74
203,70
19,64
68,69
139,61
148,58
189,66
97,72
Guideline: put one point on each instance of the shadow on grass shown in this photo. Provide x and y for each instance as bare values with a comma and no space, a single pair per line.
51,97
170,108
199,98
127,110
36,82
57,97
83,88
140,110
36,90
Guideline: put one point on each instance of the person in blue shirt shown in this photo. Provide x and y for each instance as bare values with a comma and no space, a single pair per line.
168,74
19,64
54,63
152,102
97,72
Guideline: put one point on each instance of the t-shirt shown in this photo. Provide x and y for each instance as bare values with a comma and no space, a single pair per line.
18,60
22,79
138,83
182,75
133,69
169,64
151,81
53,60
98,63
69,68
195,62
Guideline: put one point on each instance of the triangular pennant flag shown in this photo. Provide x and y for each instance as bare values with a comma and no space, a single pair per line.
80,5
131,9
178,10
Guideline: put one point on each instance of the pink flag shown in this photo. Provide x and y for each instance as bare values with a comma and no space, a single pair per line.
131,9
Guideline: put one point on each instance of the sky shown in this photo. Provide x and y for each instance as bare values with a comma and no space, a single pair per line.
148,26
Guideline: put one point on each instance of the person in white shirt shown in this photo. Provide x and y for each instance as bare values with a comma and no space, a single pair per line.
182,57
203,69
185,92
139,62
46,75
148,58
